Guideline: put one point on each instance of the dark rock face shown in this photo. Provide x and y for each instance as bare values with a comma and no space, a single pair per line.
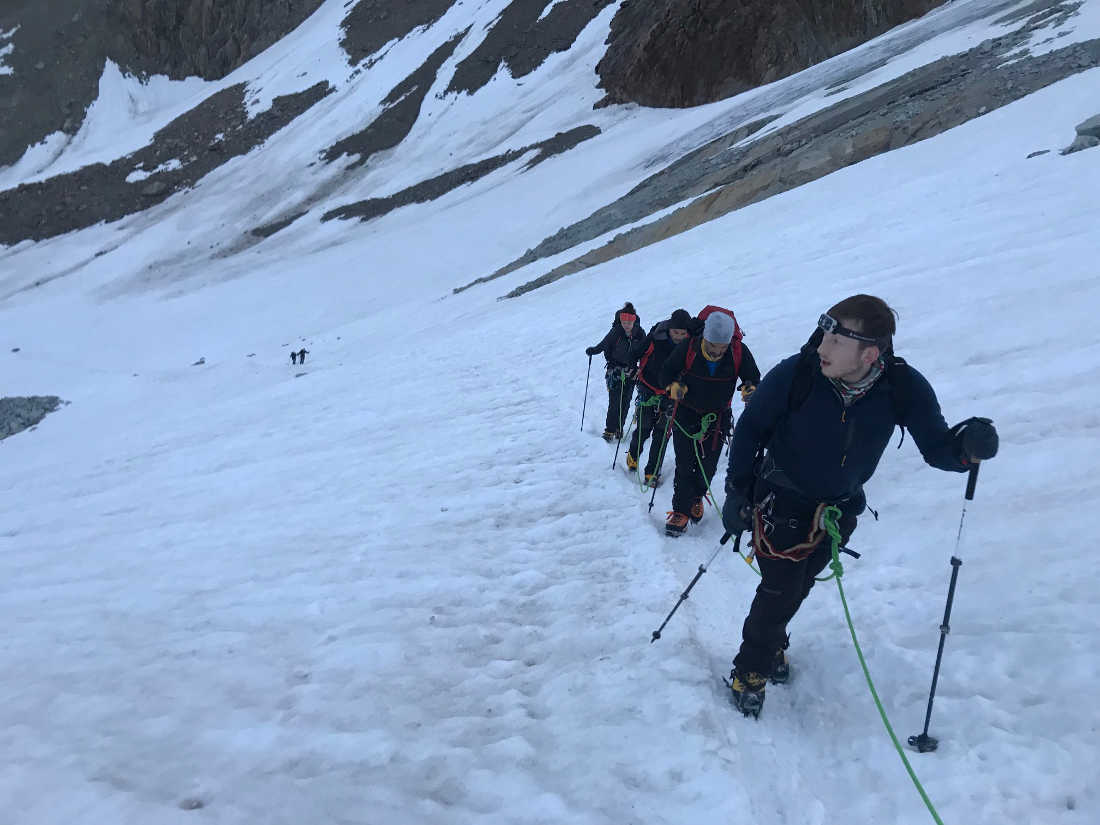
439,186
724,176
23,412
371,24
208,38
677,53
402,110
60,47
522,41
198,141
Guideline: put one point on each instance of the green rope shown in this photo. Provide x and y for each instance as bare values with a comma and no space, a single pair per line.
653,400
830,518
705,423
748,561
660,453
622,387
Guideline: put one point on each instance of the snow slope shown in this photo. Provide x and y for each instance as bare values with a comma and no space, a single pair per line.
399,584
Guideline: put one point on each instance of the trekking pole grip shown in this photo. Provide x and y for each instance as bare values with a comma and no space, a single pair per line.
972,481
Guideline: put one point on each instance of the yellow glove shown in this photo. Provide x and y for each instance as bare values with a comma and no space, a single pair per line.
676,391
746,391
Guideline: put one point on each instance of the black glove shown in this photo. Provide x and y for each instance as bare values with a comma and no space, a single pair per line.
736,513
667,405
977,438
590,351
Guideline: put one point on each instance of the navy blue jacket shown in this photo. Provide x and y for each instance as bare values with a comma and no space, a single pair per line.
830,452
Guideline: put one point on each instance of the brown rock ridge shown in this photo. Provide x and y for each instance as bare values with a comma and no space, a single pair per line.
917,106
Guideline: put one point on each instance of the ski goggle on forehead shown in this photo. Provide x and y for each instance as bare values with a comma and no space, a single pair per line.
832,325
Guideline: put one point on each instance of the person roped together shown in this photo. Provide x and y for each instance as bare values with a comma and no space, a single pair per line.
621,347
700,376
655,348
811,436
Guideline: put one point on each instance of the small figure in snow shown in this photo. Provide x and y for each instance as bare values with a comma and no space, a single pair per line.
293,356
302,355
700,376
621,348
811,437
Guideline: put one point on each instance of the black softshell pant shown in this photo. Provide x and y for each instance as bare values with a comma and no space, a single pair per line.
651,422
783,586
619,393
688,484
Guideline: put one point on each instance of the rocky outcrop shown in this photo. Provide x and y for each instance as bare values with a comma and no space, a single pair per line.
440,185
371,24
402,110
59,50
678,53
208,38
183,152
1088,136
23,412
523,37
731,171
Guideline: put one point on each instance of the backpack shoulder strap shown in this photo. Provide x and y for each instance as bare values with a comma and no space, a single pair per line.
900,376
803,381
689,358
901,386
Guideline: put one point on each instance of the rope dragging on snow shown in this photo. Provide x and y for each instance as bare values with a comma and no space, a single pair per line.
832,514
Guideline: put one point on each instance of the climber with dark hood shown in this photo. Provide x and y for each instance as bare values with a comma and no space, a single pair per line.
655,348
620,348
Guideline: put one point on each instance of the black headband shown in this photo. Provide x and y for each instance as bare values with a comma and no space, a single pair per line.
830,324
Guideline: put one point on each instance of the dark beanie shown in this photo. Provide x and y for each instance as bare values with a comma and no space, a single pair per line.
681,319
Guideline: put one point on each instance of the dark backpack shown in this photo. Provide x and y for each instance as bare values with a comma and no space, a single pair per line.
898,375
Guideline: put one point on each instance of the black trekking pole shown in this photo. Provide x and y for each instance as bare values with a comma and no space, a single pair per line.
622,389
661,455
922,741
586,379
687,592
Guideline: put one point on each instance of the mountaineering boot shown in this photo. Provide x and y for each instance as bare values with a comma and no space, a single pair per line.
631,462
696,510
653,479
781,669
608,435
676,524
748,692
